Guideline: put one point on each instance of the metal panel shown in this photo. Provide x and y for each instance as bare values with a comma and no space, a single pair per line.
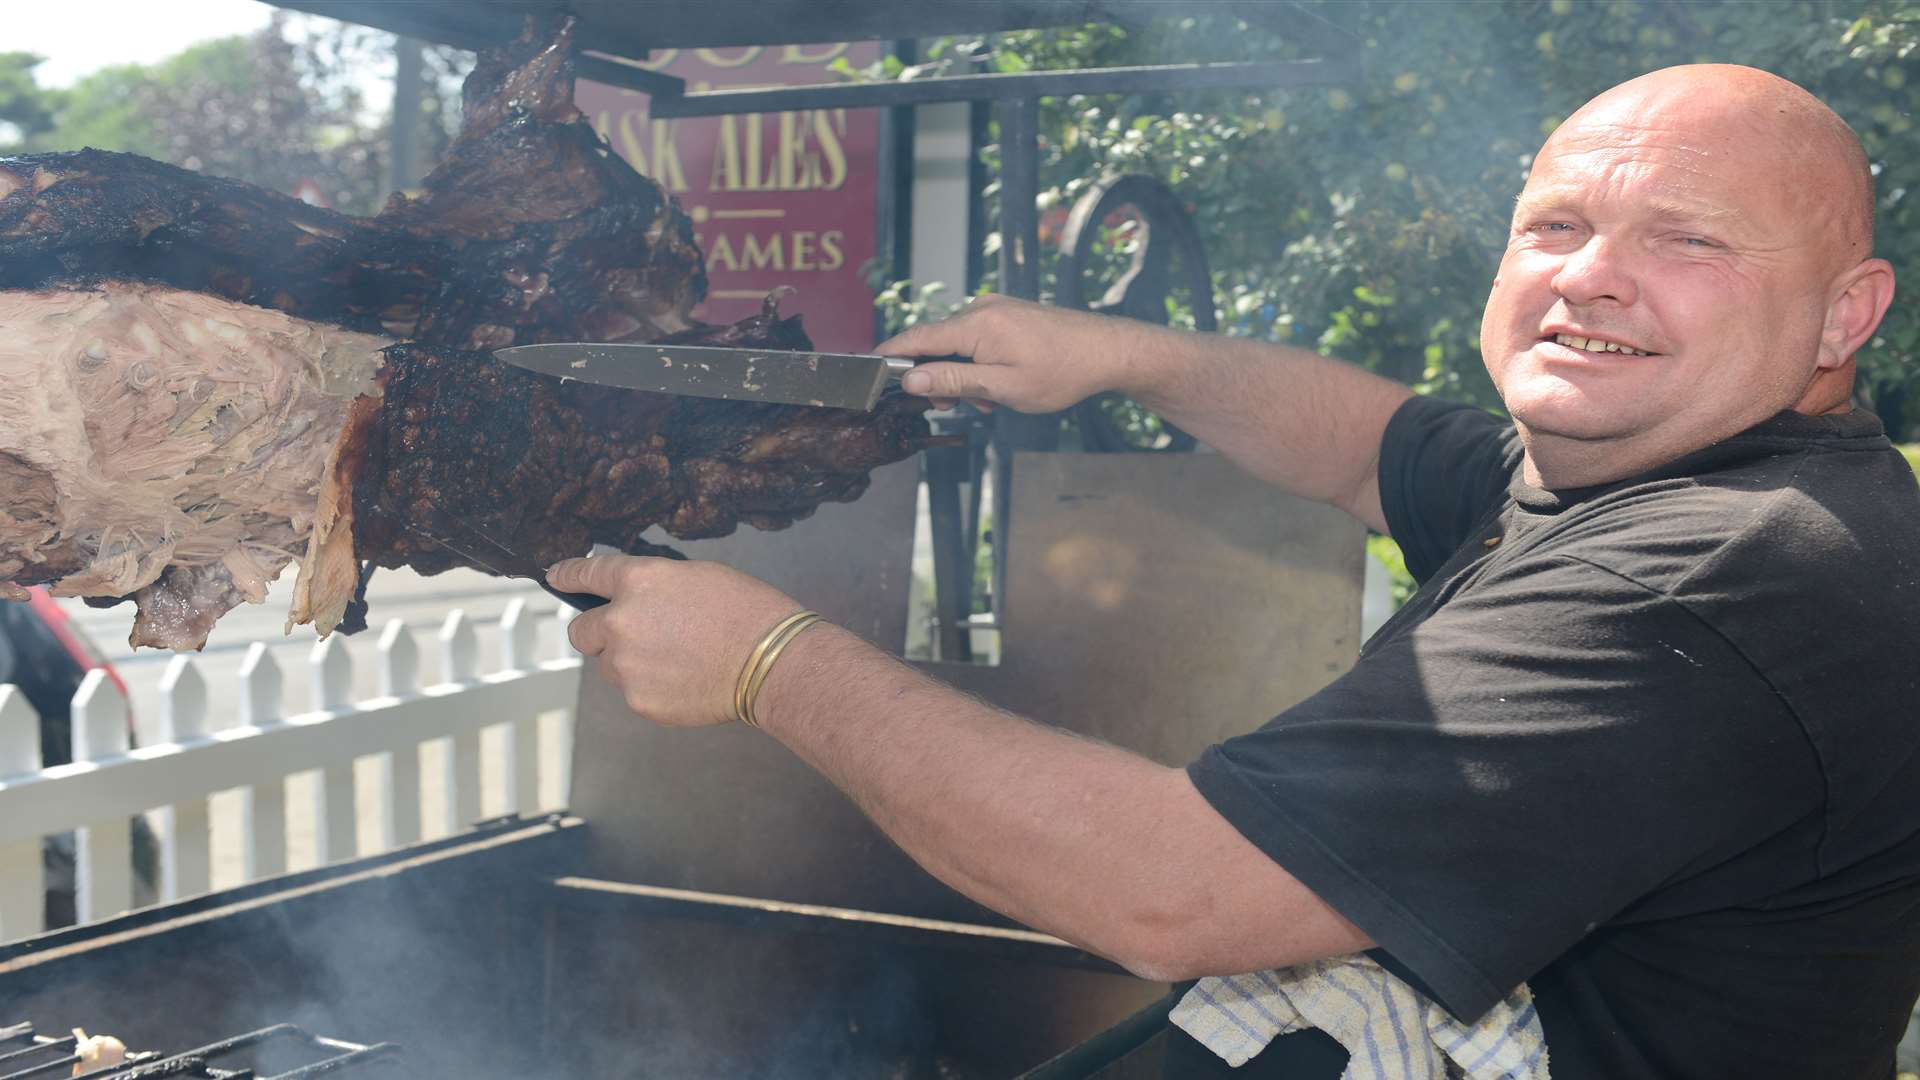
849,561
691,811
1164,602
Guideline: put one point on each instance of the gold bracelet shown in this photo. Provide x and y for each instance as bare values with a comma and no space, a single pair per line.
740,709
760,672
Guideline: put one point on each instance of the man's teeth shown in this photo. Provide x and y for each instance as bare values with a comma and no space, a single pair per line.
1595,345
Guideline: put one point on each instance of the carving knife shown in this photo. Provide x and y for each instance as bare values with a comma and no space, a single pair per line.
834,380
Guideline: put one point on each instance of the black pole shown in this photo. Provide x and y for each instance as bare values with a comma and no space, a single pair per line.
1020,277
979,134
1019,191
894,186
403,148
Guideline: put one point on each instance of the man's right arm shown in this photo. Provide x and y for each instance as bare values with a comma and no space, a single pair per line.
1306,424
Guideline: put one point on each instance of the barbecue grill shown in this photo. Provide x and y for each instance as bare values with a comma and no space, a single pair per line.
268,1054
710,906
480,958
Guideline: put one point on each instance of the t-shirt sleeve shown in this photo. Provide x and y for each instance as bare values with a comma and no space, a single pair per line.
1443,468
1491,784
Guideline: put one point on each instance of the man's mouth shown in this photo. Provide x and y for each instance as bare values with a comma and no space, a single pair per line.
1597,345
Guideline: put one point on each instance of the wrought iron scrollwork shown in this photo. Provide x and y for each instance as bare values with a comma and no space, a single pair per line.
1170,253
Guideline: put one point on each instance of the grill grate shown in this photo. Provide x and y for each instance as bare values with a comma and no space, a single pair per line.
296,1052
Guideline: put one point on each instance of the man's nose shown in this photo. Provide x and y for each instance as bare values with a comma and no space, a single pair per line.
1597,271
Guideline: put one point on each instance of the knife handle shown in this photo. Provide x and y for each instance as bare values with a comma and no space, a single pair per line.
578,601
898,366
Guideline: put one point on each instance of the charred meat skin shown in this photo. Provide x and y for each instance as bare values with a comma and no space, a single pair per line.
532,230
557,238
549,468
78,219
446,268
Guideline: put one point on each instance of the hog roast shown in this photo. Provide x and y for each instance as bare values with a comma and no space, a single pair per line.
205,381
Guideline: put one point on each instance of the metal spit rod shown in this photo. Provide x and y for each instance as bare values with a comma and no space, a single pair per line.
12,1062
192,1063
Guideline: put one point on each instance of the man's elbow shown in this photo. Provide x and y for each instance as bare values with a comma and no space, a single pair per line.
1181,960
1171,968
1178,958
1174,947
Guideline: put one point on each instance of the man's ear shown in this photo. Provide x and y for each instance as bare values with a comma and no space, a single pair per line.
1861,297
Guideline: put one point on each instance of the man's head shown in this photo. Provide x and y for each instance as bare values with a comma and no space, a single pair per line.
1717,219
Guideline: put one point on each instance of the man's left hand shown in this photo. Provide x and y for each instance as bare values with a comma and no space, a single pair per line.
676,634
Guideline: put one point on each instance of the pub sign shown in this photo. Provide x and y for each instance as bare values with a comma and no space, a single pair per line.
776,198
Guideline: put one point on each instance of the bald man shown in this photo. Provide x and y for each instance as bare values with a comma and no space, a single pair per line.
1645,741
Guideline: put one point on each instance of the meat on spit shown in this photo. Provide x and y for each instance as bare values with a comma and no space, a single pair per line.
202,381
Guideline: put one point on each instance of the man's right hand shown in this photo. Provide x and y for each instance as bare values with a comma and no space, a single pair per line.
1026,356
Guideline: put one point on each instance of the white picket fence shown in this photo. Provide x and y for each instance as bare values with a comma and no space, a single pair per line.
173,780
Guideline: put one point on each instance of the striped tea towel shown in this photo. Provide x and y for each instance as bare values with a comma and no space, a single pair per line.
1391,1031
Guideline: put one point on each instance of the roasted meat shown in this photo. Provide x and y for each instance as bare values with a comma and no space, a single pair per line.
95,1052
205,381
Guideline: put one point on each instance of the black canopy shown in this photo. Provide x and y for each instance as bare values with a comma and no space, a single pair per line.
631,28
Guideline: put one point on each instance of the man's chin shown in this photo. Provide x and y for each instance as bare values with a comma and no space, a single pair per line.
1578,421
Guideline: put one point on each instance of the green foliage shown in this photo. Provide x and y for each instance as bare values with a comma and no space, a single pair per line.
101,111
1366,220
277,108
1383,548
907,304
25,108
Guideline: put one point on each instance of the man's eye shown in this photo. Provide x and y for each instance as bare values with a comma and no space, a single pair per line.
1699,242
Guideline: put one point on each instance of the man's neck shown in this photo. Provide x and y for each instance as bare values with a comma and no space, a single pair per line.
1557,463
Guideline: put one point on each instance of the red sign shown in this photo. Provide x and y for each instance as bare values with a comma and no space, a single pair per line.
776,198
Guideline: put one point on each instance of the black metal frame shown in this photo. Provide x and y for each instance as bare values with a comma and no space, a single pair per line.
1142,291
19,956
1006,86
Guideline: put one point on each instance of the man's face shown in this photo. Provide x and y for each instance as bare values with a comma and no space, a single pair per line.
1663,286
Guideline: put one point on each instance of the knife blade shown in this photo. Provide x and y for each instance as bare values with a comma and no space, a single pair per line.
834,380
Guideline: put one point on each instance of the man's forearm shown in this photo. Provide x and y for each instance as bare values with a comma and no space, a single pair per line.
1306,424
1086,841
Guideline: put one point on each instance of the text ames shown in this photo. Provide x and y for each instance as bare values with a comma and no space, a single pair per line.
795,250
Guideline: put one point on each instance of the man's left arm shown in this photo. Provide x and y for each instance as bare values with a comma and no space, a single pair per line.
1084,840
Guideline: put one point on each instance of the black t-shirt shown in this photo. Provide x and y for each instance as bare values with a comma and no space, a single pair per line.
1652,748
